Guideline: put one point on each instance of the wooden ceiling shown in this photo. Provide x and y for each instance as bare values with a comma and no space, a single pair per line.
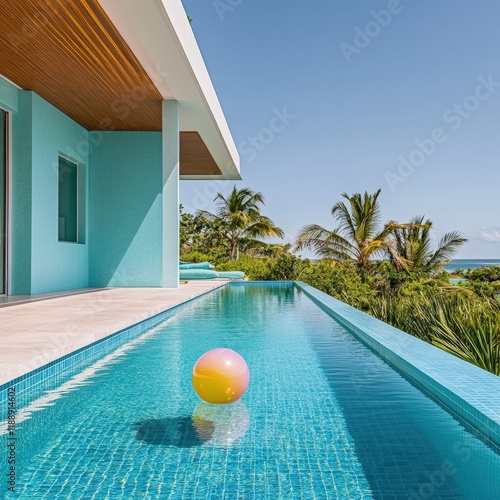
195,159
71,54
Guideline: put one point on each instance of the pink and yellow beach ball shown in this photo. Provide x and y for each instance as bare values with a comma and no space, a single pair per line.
220,376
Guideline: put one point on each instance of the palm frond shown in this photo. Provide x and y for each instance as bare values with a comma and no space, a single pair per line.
324,243
448,246
263,228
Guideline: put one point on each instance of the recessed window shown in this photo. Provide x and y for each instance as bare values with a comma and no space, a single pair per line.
71,201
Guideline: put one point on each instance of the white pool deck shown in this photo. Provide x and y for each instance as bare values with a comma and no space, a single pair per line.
37,330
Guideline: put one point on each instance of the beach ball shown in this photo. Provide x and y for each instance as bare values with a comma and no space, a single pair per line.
220,376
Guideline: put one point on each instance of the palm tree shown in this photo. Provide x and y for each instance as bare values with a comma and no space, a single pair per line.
241,221
358,236
411,243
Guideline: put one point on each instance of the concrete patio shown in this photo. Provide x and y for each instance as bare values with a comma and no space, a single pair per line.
36,331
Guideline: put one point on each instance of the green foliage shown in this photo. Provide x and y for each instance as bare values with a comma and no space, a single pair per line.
483,289
484,281
489,274
469,329
401,313
388,280
240,222
463,325
274,250
201,234
358,236
411,246
287,267
196,256
340,280
284,268
254,268
409,291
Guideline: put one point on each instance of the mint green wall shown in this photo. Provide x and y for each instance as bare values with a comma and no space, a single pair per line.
9,96
55,265
21,202
125,216
40,133
124,243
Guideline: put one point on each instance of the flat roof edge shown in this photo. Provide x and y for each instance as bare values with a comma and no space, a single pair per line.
160,35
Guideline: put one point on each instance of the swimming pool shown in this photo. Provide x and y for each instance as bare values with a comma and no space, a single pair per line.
324,417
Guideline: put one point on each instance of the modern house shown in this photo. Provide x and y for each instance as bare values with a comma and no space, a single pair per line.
105,105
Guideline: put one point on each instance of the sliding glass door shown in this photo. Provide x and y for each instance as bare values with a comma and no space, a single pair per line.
3,202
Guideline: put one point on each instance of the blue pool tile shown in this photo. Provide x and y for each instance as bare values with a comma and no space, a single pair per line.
321,423
468,390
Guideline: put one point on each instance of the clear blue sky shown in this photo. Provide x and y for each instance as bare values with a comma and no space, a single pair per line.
318,107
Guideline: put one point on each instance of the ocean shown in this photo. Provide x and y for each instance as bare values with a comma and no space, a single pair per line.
470,264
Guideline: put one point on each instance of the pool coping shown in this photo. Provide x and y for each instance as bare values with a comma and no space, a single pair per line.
469,391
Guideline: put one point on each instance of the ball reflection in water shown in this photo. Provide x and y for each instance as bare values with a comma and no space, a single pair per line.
222,425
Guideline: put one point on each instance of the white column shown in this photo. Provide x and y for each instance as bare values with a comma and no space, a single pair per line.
170,142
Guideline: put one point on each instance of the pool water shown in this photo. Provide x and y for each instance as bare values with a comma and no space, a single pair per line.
324,417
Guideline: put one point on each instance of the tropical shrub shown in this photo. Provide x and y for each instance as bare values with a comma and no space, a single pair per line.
255,268
199,234
469,329
203,256
484,281
465,326
340,280
487,274
483,289
287,267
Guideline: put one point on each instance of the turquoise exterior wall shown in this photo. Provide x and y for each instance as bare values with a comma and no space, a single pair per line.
123,241
21,203
126,214
40,133
9,96
60,265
